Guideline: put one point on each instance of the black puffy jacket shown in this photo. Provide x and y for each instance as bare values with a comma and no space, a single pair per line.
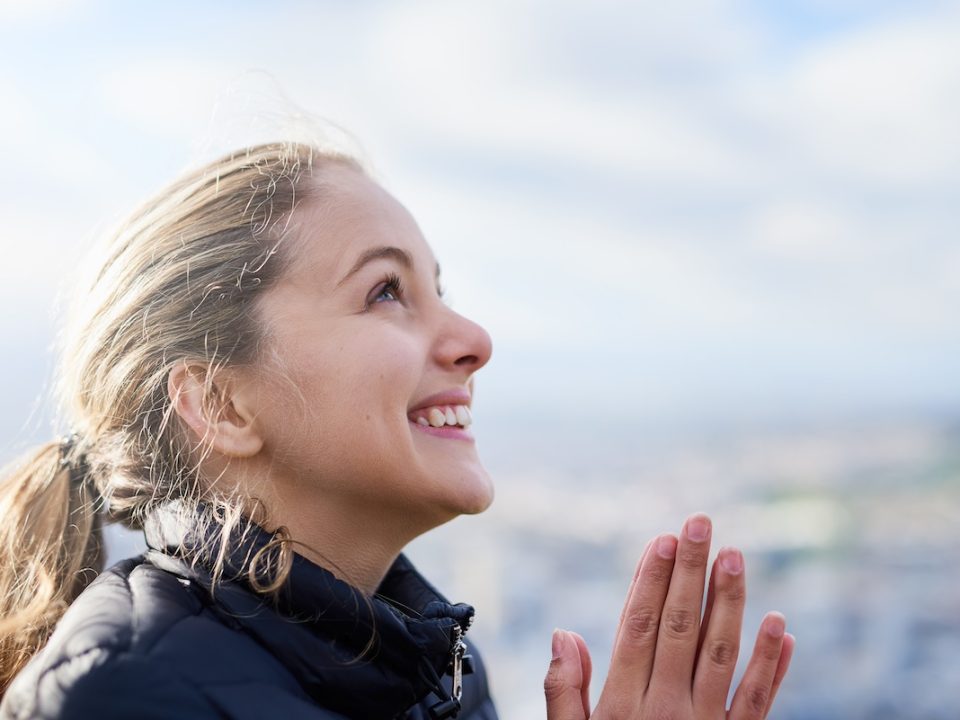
149,639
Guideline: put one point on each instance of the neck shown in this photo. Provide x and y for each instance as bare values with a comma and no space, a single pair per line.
347,549
356,541
355,537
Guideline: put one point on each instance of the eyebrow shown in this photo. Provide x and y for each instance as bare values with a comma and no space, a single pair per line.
389,252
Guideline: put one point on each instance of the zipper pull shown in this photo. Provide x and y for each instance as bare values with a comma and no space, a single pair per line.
459,650
450,708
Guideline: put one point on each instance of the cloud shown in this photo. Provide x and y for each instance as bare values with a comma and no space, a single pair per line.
164,96
471,79
38,11
661,184
41,149
876,107
806,231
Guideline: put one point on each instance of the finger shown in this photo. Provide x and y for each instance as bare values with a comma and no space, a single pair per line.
753,696
721,642
680,624
708,606
786,653
586,671
633,581
564,681
634,649
643,557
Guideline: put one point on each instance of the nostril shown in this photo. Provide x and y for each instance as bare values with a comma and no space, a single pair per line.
467,360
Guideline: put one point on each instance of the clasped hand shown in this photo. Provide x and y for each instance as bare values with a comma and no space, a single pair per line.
669,662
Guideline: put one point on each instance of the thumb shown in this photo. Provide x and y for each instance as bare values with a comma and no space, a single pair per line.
564,680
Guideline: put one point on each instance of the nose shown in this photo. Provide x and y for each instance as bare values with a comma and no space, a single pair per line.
462,343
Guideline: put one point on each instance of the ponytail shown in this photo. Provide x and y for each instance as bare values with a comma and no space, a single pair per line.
180,279
50,548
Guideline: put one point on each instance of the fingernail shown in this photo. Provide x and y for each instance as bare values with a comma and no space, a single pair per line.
667,547
698,528
775,625
731,560
557,643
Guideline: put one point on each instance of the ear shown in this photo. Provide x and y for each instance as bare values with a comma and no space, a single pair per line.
209,409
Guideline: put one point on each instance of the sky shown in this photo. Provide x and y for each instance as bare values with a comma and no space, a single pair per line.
665,213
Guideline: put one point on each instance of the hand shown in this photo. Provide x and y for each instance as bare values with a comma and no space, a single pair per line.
667,663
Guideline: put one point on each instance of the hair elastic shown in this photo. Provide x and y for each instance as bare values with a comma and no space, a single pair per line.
74,461
67,443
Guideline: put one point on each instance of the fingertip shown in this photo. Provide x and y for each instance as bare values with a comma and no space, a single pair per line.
556,644
789,643
561,685
566,645
775,624
786,655
566,685
643,558
667,546
731,560
698,527
581,646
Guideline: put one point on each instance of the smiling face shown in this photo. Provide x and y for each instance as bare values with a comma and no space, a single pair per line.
363,385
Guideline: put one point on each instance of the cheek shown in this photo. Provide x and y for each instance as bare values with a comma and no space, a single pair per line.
382,367
348,393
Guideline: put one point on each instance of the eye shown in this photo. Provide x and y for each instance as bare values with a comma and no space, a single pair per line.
390,289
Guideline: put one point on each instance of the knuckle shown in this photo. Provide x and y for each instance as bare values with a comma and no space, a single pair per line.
692,559
640,626
680,622
553,685
757,697
618,709
662,711
735,593
722,653
658,573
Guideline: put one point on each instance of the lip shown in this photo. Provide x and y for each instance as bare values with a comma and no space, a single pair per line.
457,396
454,396
447,431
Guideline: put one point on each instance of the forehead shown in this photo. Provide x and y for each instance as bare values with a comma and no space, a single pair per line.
344,214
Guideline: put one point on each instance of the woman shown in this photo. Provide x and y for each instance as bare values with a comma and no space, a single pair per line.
265,378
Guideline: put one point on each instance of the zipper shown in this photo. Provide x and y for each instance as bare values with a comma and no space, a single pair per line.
450,708
459,650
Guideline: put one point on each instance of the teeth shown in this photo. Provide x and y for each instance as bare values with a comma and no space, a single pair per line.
456,415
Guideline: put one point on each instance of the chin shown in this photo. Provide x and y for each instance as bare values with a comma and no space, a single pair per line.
463,491
475,492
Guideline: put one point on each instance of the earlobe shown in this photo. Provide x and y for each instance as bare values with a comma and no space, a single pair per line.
208,410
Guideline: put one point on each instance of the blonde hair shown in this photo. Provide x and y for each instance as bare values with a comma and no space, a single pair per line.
179,282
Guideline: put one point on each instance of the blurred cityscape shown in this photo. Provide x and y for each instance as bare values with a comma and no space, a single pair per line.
852,531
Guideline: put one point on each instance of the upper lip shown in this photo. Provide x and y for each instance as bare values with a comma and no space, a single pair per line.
457,396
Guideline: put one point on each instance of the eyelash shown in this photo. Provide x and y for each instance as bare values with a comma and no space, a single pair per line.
390,283
394,284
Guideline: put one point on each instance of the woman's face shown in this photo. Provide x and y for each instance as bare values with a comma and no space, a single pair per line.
362,361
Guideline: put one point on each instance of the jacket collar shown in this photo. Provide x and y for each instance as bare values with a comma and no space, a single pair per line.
361,656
